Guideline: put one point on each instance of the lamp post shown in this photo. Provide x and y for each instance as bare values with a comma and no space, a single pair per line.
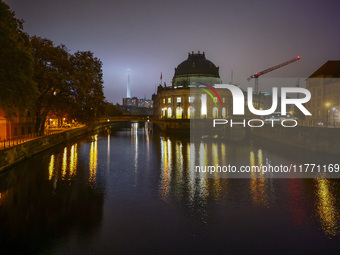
327,105
334,109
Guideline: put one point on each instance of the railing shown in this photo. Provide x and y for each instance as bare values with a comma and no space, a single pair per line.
22,139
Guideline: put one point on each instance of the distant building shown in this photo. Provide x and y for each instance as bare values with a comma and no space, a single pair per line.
137,106
324,85
146,103
137,102
128,101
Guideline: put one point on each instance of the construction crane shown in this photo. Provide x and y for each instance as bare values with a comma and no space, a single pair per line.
256,75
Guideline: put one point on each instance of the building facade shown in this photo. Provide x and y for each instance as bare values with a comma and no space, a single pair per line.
324,85
193,94
137,102
21,125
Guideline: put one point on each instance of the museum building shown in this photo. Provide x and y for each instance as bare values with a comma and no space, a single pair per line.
193,94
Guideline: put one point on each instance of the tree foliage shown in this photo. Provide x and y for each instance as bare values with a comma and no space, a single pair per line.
87,86
52,74
111,110
69,85
35,72
17,89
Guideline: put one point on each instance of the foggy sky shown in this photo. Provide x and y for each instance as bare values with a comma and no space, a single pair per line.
150,37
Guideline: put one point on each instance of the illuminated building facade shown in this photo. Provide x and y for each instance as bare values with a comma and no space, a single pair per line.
193,94
18,126
324,105
138,102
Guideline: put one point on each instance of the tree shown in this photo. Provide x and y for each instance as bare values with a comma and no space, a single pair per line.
87,86
69,85
111,110
53,75
17,89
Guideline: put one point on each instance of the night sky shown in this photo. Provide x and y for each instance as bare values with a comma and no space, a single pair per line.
150,37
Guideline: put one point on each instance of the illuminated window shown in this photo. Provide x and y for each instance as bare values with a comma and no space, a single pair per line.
215,112
179,113
169,112
163,100
179,99
191,112
169,100
224,112
223,99
191,99
204,105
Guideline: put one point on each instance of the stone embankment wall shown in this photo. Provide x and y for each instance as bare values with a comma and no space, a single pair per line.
20,152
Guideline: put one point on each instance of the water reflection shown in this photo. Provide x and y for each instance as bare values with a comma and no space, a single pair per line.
51,167
165,167
135,146
108,153
73,161
68,165
195,207
326,207
64,168
258,183
296,200
93,161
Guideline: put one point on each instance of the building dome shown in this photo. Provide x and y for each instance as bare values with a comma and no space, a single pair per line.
197,64
195,70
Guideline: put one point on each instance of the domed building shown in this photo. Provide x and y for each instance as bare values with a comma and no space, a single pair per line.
195,69
193,94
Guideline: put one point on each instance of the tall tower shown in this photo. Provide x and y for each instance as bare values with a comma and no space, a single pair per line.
128,95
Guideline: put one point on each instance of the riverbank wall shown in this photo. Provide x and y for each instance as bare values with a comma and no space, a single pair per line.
325,140
14,155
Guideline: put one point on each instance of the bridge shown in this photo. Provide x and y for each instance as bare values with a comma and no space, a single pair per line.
173,125
184,126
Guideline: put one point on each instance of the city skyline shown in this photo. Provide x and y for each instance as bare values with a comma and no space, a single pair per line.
150,38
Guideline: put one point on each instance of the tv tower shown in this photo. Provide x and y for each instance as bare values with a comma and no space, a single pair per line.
128,95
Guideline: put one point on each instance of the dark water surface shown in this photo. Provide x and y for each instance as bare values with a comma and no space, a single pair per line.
133,193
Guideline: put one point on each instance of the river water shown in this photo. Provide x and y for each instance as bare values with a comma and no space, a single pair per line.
132,192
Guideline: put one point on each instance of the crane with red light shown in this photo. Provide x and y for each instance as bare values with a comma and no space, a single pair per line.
256,75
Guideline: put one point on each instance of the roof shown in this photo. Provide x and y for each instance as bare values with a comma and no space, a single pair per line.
330,69
197,64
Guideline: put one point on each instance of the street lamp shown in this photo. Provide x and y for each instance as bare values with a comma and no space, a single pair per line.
327,105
